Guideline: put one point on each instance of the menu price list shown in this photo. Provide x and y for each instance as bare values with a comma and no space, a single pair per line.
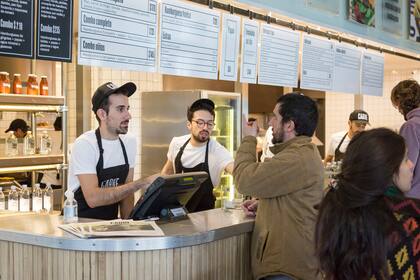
250,33
120,34
189,40
16,27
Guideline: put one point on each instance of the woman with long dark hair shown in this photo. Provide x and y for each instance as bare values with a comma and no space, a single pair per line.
366,228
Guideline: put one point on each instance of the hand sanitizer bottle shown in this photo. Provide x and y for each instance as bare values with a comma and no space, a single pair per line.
70,208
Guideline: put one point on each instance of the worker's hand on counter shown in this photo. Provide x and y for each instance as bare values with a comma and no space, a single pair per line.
250,207
249,127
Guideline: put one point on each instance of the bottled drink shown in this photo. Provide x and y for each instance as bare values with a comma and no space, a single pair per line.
4,82
70,208
11,145
13,199
45,143
25,197
48,198
37,198
32,85
2,200
43,86
29,144
17,84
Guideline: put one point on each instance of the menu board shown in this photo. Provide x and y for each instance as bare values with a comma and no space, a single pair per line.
230,47
317,63
189,40
249,51
120,34
347,68
55,22
372,73
391,16
415,20
279,56
17,28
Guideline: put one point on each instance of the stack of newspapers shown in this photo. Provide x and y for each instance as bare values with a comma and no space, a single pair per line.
113,228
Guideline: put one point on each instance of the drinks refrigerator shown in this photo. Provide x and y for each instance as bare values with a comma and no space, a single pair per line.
164,115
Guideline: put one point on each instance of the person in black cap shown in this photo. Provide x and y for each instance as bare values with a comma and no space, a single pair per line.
102,162
197,152
358,120
19,128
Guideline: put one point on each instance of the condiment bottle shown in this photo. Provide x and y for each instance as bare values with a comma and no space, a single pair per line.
17,84
43,86
4,82
32,85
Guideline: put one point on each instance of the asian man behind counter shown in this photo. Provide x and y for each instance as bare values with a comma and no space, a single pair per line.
102,161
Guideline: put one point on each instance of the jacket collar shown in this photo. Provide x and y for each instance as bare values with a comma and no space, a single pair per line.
298,140
413,113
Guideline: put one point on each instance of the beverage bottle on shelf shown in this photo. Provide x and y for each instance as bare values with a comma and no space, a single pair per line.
45,143
48,198
4,82
32,85
29,144
25,197
2,200
43,86
70,208
37,198
11,145
13,199
17,84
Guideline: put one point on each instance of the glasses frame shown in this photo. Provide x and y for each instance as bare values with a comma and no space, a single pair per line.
201,123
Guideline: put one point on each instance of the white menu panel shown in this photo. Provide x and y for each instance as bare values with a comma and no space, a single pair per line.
249,51
189,40
120,34
230,47
279,56
317,63
372,73
347,66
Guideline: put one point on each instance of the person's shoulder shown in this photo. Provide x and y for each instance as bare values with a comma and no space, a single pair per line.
339,134
128,138
216,146
86,137
180,139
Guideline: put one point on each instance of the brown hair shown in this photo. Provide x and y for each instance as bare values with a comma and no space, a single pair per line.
406,96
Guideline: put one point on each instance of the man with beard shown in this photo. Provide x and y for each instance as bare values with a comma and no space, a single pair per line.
102,163
197,152
358,120
288,187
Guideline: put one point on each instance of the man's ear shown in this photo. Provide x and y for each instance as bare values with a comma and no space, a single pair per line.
189,125
101,113
290,126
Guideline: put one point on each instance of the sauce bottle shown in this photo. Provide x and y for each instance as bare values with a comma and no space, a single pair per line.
43,86
4,82
32,85
17,84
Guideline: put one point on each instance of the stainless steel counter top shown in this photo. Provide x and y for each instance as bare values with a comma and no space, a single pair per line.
201,227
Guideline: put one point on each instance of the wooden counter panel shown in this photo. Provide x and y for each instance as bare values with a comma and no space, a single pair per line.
222,259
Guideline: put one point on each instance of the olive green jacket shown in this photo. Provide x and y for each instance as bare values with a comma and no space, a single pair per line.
289,186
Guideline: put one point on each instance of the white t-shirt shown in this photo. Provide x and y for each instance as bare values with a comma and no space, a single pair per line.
219,156
267,143
85,155
335,141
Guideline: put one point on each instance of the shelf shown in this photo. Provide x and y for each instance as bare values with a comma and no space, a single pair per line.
21,161
28,103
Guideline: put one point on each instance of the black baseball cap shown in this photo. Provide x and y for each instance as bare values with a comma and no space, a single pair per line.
203,102
108,89
17,123
359,115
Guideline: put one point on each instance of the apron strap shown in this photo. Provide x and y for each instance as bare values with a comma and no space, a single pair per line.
341,142
177,161
100,164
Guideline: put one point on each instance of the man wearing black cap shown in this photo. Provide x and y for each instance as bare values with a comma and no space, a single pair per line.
358,120
102,163
197,152
19,128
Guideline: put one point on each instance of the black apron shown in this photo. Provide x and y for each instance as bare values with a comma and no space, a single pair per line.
337,154
203,198
109,177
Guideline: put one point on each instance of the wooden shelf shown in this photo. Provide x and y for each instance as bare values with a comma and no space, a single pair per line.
19,161
22,99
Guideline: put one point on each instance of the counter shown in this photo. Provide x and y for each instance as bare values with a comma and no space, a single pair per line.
213,244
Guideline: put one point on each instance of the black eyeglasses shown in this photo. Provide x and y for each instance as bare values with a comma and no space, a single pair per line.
202,123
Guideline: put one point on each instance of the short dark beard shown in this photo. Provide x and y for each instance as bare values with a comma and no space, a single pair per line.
198,139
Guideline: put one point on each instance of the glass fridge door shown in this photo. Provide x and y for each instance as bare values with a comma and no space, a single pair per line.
228,133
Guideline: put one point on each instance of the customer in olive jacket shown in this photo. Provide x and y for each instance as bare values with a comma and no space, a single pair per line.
288,186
